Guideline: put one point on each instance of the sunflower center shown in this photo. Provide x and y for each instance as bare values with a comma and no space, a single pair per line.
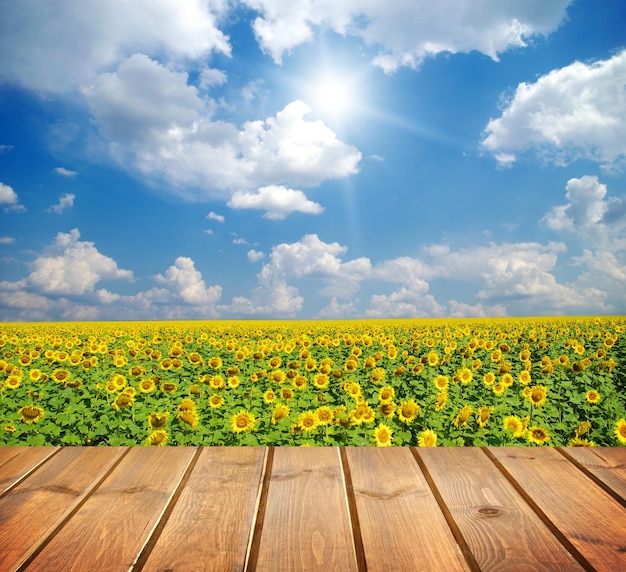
242,421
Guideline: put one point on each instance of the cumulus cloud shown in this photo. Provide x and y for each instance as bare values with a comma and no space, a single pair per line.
186,282
47,45
407,31
70,266
277,202
66,201
9,198
570,113
216,217
210,77
65,172
255,255
160,126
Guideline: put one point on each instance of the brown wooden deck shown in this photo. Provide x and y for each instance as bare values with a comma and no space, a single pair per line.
279,509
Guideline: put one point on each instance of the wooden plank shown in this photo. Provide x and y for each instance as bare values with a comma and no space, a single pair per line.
17,462
586,515
211,524
110,529
32,510
306,524
501,530
607,464
401,525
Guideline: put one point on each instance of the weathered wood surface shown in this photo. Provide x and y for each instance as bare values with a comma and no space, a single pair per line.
189,508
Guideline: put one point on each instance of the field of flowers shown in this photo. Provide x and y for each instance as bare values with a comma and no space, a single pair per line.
473,382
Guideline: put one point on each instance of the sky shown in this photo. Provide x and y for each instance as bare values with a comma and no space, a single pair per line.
273,159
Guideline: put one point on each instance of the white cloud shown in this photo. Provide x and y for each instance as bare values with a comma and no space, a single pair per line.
216,217
210,77
404,303
574,112
72,267
208,231
65,172
277,202
5,148
7,240
187,284
9,197
255,255
240,241
66,201
158,125
407,31
47,45
336,310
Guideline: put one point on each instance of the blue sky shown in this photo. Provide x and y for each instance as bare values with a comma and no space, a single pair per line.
317,159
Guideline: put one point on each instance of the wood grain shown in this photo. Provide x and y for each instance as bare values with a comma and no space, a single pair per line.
211,524
30,512
17,462
109,530
401,525
608,465
500,528
306,524
585,514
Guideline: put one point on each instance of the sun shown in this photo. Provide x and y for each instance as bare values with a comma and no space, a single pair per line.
332,96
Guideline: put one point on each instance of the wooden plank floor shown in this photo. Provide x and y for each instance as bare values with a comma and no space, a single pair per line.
280,509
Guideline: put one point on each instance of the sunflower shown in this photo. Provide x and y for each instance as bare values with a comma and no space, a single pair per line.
299,382
514,425
13,381
582,428
30,413
382,435
168,387
442,399
233,382
34,374
620,431
464,375
489,378
536,395
592,396
538,435
157,438
483,415
308,421
194,358
286,393
275,362
325,415
441,382
215,362
281,411
60,375
524,377
408,411
10,428
463,416
499,388
386,393
157,420
217,382
321,381
578,442
147,385
123,400
378,374
242,421
427,438
269,396
216,401
188,416
387,409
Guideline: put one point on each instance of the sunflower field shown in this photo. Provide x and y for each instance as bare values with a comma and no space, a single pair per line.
446,382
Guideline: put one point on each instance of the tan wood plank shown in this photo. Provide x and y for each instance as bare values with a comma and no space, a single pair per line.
500,528
588,517
211,524
32,510
306,524
608,464
17,462
401,524
110,529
